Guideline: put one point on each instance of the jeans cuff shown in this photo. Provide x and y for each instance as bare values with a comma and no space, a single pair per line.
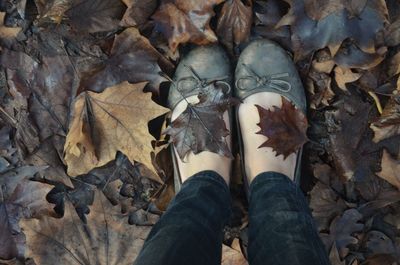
208,176
271,176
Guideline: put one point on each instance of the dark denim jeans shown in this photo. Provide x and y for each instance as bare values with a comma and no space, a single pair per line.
281,228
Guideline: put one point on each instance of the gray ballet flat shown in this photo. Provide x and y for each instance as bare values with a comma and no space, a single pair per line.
264,66
201,70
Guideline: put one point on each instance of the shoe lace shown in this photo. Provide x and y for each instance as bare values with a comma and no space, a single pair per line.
197,82
273,81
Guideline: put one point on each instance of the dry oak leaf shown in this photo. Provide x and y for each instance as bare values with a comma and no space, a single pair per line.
107,122
106,237
285,128
332,24
388,124
201,127
343,228
183,21
390,169
234,23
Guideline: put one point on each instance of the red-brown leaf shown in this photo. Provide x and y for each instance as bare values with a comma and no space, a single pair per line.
284,127
201,127
183,21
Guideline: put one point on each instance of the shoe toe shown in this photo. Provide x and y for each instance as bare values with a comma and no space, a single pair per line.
265,58
207,62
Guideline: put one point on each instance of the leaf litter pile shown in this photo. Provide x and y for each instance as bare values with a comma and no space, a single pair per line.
84,166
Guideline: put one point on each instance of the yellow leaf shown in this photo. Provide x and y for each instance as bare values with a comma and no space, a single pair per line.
107,122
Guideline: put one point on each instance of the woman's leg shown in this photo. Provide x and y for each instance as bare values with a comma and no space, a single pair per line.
281,227
190,232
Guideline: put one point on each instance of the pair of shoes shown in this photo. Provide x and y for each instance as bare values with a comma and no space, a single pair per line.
262,67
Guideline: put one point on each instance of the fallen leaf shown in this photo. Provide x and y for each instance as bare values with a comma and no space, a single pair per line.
388,124
183,21
380,259
344,76
392,33
334,256
325,205
106,238
343,228
346,126
232,256
132,59
7,34
285,128
394,65
349,55
138,12
234,23
319,86
85,15
20,197
390,169
8,248
107,122
379,243
318,10
267,16
332,24
323,62
201,126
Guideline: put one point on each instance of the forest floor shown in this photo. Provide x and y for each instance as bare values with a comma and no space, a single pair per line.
85,169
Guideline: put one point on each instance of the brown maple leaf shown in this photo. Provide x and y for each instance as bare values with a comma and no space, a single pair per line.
390,169
234,23
104,123
183,21
132,59
106,237
201,126
319,24
83,15
285,128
